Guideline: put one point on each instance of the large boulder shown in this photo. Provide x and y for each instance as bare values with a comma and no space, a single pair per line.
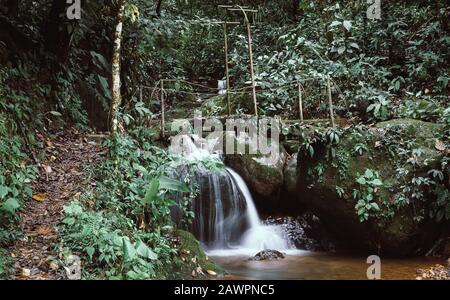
263,173
369,166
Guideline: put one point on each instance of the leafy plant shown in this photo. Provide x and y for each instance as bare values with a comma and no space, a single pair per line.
367,193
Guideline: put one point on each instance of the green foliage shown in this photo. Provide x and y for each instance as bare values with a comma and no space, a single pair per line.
123,227
104,241
367,194
379,108
425,108
4,264
418,179
16,172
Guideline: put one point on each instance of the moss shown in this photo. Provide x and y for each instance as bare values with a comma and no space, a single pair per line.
262,172
424,133
393,228
190,244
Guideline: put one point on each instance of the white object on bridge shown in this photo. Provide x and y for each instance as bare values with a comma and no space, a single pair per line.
222,86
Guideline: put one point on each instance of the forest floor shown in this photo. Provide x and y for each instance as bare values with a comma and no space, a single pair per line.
61,179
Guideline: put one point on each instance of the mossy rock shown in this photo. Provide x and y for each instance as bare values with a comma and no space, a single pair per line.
262,172
393,231
424,133
290,174
189,244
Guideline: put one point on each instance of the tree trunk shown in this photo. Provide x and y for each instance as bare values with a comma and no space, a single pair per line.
116,95
158,8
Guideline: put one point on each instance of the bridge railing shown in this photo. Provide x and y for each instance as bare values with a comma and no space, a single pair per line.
160,93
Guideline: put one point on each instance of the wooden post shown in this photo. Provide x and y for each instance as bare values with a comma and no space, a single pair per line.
163,120
227,71
250,53
330,102
300,101
250,50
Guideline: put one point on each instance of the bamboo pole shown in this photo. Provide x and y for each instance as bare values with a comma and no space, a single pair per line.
300,101
250,53
330,102
227,70
163,120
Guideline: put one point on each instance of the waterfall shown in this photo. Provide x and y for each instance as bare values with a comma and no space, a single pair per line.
226,219
258,236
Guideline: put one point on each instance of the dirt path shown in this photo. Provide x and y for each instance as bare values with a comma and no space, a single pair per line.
60,180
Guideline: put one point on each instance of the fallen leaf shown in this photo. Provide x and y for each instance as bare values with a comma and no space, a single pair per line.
378,144
439,145
39,197
47,169
25,273
211,272
43,230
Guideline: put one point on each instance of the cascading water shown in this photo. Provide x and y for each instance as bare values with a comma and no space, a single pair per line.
226,220
258,236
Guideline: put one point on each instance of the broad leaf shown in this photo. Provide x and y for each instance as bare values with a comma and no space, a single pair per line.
144,251
152,191
347,24
10,205
129,253
167,183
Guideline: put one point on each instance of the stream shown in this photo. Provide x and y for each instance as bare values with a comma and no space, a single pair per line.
318,266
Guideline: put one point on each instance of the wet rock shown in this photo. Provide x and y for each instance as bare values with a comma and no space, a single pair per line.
268,255
306,232
262,172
